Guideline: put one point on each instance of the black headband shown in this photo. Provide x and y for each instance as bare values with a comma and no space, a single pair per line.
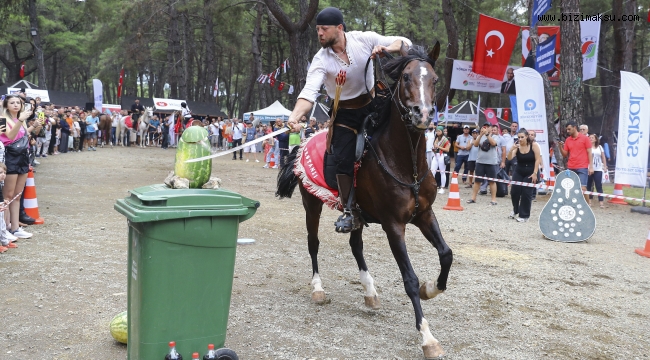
330,16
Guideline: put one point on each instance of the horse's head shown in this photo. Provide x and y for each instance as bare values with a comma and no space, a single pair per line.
148,113
415,87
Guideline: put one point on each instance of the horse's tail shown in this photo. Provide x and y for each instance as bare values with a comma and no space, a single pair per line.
287,180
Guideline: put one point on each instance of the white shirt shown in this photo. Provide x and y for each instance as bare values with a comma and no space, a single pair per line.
237,131
509,141
326,65
187,113
430,136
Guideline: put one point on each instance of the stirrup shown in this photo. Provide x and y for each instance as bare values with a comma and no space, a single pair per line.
347,222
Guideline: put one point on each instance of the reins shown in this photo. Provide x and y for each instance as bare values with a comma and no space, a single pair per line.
415,186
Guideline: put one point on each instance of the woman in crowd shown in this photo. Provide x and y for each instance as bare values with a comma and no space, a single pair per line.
529,159
441,146
15,139
471,160
76,132
600,165
82,130
64,128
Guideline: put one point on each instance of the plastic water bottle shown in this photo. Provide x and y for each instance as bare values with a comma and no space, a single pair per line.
211,355
173,355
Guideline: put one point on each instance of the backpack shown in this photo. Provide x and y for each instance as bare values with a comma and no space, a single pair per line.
502,188
485,146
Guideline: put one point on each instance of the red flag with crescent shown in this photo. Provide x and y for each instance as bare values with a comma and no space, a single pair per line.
119,85
22,70
495,40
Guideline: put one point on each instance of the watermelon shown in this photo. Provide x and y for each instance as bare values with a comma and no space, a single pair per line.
193,144
119,327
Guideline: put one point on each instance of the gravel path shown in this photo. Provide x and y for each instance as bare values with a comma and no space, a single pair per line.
511,294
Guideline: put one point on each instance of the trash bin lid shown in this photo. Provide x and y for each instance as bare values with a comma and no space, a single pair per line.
159,202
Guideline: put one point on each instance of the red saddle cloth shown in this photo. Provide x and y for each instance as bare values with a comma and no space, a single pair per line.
309,167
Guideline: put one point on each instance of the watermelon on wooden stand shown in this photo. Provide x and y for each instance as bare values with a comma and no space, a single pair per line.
193,144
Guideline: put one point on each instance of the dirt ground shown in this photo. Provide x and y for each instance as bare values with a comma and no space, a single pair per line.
511,293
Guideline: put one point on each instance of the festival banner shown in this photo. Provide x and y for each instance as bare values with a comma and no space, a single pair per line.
545,60
633,122
540,7
589,35
531,109
119,85
167,104
22,70
543,33
32,93
463,78
98,91
495,40
513,106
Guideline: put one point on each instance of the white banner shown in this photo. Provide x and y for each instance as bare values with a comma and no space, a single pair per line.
113,108
167,104
32,93
99,98
531,109
589,35
462,78
633,122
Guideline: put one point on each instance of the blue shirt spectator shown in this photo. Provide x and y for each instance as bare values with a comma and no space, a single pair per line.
91,120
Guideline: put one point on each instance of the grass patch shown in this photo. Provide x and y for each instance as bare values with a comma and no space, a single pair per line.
629,192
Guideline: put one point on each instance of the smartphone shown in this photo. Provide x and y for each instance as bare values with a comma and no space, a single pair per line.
28,106
3,122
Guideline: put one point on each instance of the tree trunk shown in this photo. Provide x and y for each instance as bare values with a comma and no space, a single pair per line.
298,38
571,79
622,59
38,49
210,73
257,62
184,56
451,53
172,51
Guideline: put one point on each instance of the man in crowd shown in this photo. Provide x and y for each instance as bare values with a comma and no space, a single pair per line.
578,150
348,51
311,128
501,155
584,130
486,163
237,135
509,141
464,142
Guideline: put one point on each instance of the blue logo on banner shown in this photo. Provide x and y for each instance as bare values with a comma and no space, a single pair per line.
530,104
540,7
545,60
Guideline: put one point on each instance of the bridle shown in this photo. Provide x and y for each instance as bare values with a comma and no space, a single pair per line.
405,114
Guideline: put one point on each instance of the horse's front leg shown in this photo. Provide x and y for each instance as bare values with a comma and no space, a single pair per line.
313,208
428,224
356,244
395,232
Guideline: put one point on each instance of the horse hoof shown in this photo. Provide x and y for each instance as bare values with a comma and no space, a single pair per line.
318,297
372,302
433,351
429,290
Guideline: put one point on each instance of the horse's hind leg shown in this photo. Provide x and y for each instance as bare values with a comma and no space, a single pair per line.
395,232
428,224
313,208
356,244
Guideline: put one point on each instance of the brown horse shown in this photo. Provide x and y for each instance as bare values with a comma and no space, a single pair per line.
394,188
105,125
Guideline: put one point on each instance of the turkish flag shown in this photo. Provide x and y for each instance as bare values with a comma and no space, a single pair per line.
281,86
119,85
495,40
22,70
272,82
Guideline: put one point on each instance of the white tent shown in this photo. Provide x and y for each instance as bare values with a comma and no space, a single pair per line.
269,114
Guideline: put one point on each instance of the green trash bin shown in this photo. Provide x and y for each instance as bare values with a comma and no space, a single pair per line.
181,259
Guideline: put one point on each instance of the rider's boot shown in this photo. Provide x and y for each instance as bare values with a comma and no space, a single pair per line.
350,220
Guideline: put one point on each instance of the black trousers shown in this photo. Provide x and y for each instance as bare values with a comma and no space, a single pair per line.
522,196
595,179
50,147
283,156
236,143
344,139
82,137
165,138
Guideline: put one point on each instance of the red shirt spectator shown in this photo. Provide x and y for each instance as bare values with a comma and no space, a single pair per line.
577,148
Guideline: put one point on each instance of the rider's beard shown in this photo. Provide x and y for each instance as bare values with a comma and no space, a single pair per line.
329,43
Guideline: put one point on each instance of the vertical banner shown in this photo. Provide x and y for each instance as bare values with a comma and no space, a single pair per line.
99,98
531,109
513,106
119,85
545,60
589,35
543,33
540,7
633,122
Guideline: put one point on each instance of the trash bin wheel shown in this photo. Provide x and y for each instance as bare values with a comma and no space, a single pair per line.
226,354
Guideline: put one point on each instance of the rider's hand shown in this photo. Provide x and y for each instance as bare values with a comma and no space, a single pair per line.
378,50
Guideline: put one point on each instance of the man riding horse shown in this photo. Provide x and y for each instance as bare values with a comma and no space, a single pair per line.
347,51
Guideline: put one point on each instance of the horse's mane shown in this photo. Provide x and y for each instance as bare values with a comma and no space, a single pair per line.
394,67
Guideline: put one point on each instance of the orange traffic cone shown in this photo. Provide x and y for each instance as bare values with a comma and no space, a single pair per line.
30,202
453,203
645,252
618,190
551,179
272,164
